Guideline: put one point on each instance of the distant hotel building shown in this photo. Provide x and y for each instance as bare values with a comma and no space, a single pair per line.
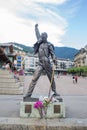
31,63
64,64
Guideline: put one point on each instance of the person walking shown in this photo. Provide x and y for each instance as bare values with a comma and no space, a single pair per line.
76,79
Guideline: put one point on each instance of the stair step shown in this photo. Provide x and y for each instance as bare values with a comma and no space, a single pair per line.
6,76
4,71
10,85
11,90
7,80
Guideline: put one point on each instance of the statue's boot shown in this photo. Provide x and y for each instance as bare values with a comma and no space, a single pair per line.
57,97
26,97
56,94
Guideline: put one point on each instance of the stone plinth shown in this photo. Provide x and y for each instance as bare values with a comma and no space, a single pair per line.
54,110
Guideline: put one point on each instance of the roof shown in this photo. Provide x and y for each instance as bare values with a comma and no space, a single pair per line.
5,44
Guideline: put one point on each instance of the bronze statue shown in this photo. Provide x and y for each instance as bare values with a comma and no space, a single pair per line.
44,49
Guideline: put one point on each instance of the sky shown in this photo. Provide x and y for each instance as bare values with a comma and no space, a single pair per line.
65,21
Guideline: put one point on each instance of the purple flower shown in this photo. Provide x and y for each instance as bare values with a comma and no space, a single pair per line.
38,105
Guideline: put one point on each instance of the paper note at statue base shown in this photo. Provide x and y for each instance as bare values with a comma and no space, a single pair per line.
54,110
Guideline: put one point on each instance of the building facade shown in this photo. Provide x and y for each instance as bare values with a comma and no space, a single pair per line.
80,58
31,62
64,64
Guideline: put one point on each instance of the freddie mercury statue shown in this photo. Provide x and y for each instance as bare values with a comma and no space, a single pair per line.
44,49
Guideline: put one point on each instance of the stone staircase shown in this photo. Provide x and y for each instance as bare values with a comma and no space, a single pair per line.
9,85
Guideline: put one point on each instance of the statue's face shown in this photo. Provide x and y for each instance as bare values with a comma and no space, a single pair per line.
44,37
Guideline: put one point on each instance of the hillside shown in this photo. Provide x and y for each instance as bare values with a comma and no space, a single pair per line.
65,52
61,52
22,47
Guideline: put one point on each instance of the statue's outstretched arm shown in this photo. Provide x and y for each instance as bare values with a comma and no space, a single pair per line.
37,32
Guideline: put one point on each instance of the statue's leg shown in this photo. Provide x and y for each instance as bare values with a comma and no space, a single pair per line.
49,72
36,76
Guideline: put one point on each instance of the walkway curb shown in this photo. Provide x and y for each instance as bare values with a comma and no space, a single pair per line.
42,124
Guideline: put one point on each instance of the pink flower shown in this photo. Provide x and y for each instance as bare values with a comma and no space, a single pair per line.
38,105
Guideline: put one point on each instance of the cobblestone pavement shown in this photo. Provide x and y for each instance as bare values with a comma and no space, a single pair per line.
74,96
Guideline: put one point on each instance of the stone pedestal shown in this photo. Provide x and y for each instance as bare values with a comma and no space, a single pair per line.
54,110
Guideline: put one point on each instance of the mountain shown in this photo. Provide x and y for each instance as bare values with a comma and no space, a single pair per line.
66,52
61,52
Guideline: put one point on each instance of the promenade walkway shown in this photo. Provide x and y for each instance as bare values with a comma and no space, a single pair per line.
74,96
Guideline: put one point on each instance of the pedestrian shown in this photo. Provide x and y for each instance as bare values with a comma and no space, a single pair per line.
16,75
73,79
21,72
76,79
44,49
3,66
7,66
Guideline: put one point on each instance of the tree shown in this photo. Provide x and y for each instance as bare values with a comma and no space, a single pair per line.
82,71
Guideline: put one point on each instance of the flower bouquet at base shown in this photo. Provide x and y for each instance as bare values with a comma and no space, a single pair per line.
42,106
39,106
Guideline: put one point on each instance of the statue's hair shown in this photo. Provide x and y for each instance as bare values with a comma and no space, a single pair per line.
44,33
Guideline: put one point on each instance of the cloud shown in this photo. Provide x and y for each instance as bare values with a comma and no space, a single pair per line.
51,1
71,8
18,18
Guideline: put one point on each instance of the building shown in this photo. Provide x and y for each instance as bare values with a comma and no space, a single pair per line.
20,54
31,62
64,64
80,58
8,54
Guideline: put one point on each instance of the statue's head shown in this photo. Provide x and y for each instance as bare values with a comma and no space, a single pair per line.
44,36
